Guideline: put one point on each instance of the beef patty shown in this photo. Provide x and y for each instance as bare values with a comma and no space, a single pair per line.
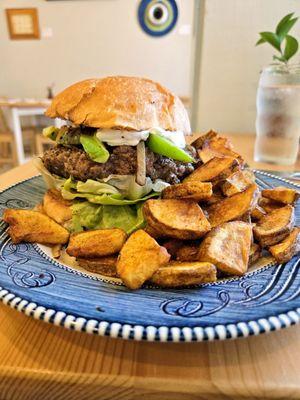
73,161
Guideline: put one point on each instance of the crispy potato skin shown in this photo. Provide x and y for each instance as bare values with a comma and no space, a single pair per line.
228,247
199,142
187,252
255,253
215,170
56,207
179,274
234,207
237,182
257,213
178,219
33,226
275,226
269,205
96,243
281,194
103,265
139,259
285,250
190,191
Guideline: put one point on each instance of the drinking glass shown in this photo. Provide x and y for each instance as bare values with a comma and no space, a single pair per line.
278,114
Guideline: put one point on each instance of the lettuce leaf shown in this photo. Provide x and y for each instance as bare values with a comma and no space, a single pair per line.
92,216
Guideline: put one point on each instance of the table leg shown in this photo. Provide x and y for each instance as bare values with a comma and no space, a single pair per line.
18,135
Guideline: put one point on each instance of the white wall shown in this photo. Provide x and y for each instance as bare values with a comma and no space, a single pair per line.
231,63
91,39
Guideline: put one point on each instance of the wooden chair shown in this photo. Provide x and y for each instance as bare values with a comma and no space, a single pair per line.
8,153
42,143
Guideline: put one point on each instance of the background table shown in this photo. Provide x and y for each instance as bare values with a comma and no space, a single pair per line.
40,361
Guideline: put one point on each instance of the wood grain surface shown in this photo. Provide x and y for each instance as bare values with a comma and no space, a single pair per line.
40,361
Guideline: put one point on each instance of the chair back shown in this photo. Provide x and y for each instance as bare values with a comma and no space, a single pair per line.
3,124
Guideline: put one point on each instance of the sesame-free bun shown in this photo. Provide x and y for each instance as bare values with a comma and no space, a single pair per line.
120,102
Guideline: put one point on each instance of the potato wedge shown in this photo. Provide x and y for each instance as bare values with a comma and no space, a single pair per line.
140,257
216,197
96,243
188,252
234,207
257,213
103,265
177,274
199,142
172,246
275,226
289,247
190,191
33,226
215,170
237,182
218,146
269,205
56,207
281,194
178,219
39,208
255,253
228,247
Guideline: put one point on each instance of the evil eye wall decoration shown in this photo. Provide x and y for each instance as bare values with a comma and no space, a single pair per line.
157,17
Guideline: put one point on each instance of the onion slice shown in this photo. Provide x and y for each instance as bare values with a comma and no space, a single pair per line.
141,163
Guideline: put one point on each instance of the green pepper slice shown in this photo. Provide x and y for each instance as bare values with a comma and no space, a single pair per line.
94,148
160,145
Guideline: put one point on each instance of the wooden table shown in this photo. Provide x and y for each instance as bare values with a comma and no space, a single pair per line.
40,361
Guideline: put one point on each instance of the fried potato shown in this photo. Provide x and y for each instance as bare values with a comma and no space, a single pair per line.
178,219
178,274
152,231
269,205
218,146
56,207
140,257
281,194
56,250
188,252
39,208
255,253
237,182
190,191
172,246
289,247
228,247
215,170
96,243
199,142
275,226
32,226
257,213
102,265
216,197
234,207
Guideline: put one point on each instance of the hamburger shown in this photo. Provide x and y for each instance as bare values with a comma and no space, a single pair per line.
123,142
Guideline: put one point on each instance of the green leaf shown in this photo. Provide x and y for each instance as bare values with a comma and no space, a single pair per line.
281,59
286,28
282,23
272,39
260,41
291,47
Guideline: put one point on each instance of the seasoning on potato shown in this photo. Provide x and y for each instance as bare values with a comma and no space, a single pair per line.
179,219
275,226
234,207
33,226
237,182
281,194
190,191
140,257
289,247
102,265
228,247
56,207
215,170
97,243
178,274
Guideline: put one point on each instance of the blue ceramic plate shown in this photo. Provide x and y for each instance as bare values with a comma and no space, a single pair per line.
263,300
